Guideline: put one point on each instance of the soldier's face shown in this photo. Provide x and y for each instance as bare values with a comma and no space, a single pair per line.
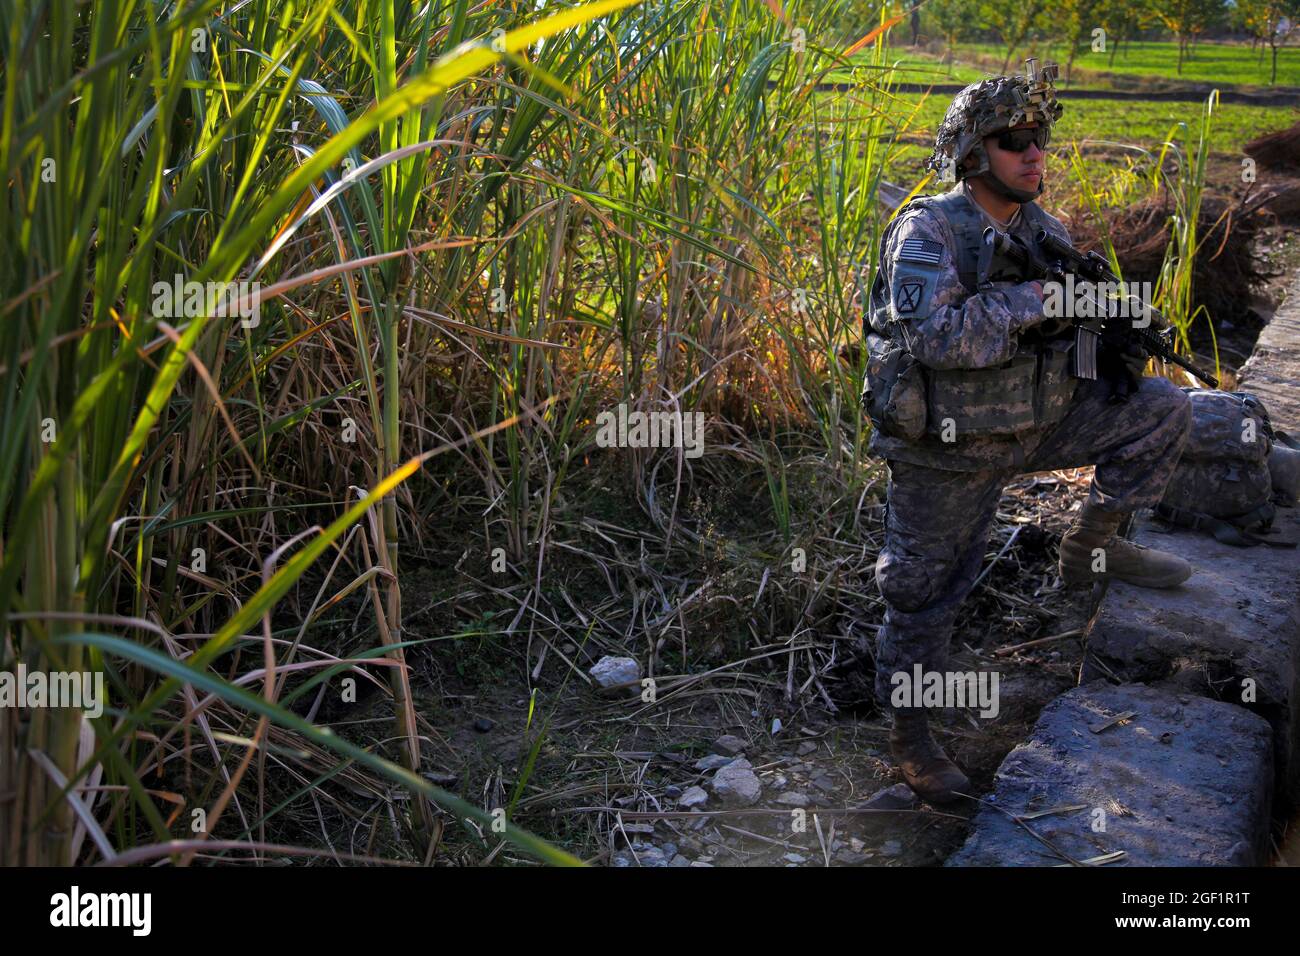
1018,170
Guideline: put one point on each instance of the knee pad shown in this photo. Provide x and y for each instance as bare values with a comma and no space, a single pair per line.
907,581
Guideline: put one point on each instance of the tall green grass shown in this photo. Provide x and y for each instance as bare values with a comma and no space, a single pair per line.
475,225
1186,186
143,141
1175,172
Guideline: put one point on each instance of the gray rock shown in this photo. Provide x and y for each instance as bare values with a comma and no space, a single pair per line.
1236,618
850,857
713,762
795,858
823,781
897,797
672,791
736,784
670,850
640,854
635,830
891,848
613,671
805,748
729,745
792,799
649,855
1274,368
680,860
1214,779
693,797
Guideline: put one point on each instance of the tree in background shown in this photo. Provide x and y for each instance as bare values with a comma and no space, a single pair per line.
952,18
1011,20
1188,19
1077,18
1269,21
1121,19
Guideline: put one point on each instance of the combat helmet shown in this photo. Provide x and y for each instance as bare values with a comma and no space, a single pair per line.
989,107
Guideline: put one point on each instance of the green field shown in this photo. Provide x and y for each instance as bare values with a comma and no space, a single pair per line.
919,68
1210,63
1142,124
1229,64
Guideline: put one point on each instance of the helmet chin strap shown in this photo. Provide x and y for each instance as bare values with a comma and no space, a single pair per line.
1002,189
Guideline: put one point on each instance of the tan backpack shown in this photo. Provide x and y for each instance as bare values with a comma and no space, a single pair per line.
1234,470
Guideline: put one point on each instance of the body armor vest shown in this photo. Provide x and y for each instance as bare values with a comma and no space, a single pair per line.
1033,388
964,225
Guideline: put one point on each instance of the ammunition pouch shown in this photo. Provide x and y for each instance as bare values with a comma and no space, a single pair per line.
894,398
1034,388
1056,383
907,400
984,401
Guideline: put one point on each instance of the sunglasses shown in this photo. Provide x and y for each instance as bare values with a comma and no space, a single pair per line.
1018,140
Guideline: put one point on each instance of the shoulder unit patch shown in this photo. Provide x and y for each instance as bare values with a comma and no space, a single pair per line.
909,295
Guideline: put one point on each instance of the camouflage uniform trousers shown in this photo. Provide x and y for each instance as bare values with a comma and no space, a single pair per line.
937,522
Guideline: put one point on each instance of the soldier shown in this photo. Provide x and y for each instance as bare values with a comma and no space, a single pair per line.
969,384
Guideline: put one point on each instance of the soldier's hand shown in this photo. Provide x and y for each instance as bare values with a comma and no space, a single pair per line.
1050,326
1030,305
1124,366
1056,325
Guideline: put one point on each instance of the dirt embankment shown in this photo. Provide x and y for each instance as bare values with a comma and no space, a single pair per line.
1246,244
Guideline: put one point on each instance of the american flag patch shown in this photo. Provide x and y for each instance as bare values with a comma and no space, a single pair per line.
924,251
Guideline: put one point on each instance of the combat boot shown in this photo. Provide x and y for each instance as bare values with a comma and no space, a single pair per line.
1092,551
926,768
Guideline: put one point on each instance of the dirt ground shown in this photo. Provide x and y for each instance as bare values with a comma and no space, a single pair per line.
610,772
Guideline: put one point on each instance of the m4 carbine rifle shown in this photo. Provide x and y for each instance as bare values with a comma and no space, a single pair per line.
1054,260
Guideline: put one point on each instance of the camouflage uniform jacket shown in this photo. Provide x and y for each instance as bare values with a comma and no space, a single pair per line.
948,325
